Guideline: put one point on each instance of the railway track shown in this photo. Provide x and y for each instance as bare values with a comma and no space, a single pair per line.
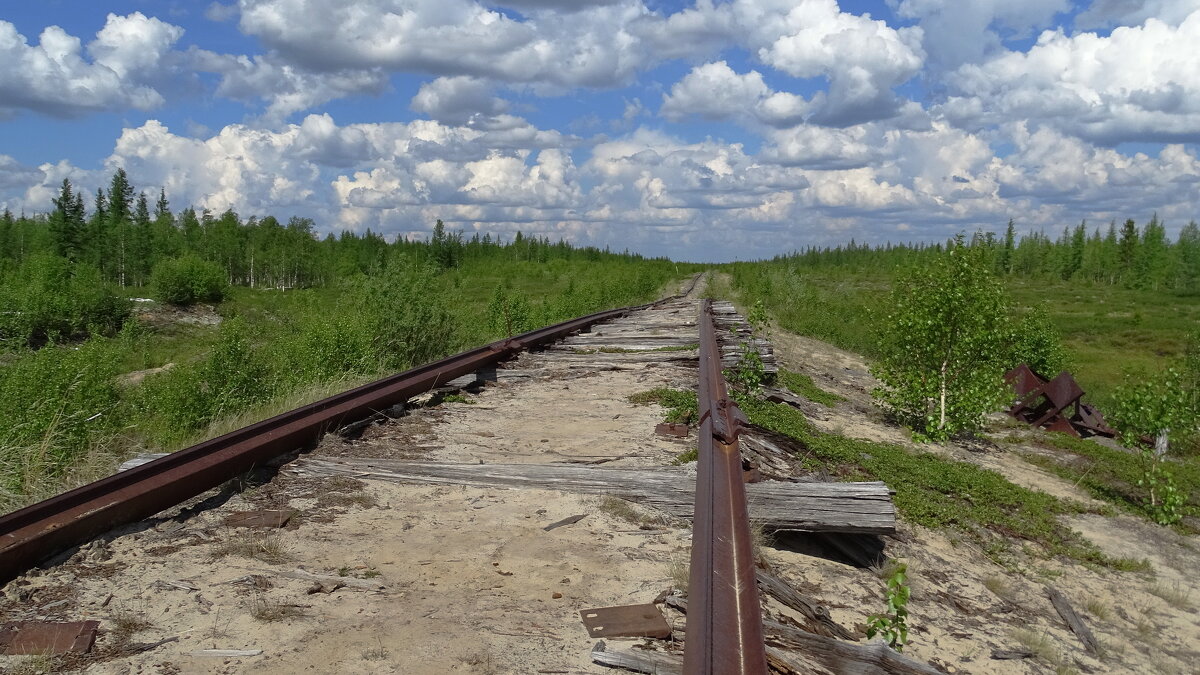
417,502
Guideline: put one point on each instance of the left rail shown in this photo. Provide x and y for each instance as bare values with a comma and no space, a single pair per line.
39,531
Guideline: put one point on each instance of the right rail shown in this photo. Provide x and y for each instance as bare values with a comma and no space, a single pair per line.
724,629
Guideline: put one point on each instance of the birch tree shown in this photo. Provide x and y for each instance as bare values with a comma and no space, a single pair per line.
944,344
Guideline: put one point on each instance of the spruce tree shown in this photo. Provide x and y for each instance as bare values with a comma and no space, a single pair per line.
65,229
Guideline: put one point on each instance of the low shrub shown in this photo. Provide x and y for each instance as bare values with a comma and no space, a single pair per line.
188,280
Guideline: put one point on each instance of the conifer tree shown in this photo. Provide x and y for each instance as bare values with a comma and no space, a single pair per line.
1127,250
66,224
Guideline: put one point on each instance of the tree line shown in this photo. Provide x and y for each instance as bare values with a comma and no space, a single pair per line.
70,272
1123,255
123,238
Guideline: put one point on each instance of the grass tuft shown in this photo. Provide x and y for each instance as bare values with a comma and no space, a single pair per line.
1174,594
1001,588
681,405
266,610
268,548
801,384
126,624
1098,609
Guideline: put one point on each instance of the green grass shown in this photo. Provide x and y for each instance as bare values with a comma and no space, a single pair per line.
681,405
801,384
1112,475
1107,330
931,491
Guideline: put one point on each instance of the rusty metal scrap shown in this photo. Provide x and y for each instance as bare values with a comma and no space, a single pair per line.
626,621
672,429
45,637
1055,404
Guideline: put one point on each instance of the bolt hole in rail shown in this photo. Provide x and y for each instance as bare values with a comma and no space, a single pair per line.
725,627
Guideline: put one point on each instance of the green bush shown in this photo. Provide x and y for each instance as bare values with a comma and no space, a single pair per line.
1037,342
49,299
232,378
403,309
188,280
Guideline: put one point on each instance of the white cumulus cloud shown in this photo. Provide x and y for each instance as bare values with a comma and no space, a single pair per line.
130,56
1138,83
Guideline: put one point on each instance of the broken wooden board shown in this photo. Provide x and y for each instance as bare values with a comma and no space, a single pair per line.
47,638
626,621
654,663
810,507
1075,623
569,520
845,658
818,616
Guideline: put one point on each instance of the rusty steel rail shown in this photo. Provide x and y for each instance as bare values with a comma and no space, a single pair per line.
39,531
724,630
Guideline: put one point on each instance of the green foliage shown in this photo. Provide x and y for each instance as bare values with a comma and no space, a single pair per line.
48,299
681,406
1151,412
188,280
404,309
942,342
1037,342
1113,475
748,374
892,625
509,313
799,383
936,492
186,399
57,402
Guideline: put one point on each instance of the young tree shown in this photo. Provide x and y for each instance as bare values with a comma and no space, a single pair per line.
943,344
66,222
1187,253
1127,250
1006,253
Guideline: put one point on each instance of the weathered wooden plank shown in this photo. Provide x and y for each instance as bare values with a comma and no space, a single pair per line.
811,507
1076,624
653,663
845,658
569,356
819,619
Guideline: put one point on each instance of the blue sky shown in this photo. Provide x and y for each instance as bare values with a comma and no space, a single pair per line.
714,130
